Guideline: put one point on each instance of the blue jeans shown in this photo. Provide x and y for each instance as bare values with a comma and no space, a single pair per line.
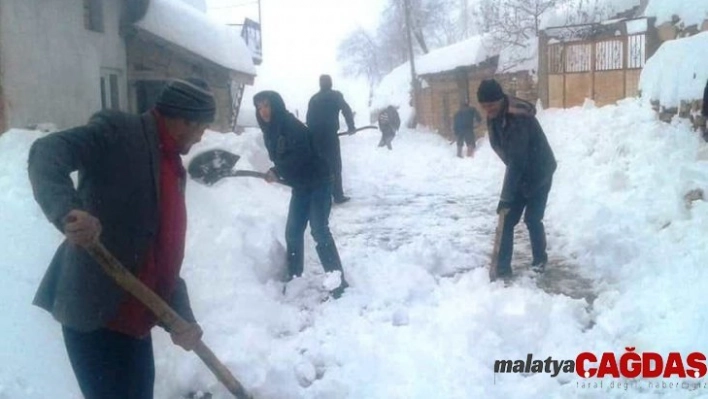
311,205
533,209
111,365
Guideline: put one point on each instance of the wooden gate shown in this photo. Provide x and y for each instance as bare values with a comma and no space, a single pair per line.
605,70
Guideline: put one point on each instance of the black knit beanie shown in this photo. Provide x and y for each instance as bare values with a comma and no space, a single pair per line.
489,91
190,99
325,82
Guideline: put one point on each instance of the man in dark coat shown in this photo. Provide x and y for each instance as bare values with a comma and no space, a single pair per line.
463,125
705,112
297,155
323,119
518,139
389,123
130,193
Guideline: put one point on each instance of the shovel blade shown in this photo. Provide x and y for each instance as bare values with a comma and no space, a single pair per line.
211,166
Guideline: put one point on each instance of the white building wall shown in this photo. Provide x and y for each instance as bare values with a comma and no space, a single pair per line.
51,64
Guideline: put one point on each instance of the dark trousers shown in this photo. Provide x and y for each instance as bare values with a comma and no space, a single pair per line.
533,208
464,138
111,365
334,160
313,206
387,135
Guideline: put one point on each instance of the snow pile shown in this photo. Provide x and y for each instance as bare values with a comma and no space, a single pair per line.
689,12
677,72
182,24
618,199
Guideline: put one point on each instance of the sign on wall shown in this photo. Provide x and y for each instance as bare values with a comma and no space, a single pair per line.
251,34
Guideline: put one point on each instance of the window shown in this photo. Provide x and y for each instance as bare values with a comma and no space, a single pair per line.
609,55
110,88
577,57
93,15
555,58
637,51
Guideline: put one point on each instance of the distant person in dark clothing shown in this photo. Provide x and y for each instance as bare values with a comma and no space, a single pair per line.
705,113
518,139
389,123
130,193
463,125
297,155
705,101
323,119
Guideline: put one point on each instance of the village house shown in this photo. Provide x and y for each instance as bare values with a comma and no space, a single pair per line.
61,61
450,75
603,60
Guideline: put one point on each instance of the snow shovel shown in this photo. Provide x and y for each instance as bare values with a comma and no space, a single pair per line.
493,272
211,166
356,130
162,310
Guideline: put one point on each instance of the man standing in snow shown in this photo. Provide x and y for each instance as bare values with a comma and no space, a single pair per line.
463,125
518,139
130,194
705,112
389,122
323,119
297,155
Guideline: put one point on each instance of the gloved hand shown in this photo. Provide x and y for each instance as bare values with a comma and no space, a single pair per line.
503,205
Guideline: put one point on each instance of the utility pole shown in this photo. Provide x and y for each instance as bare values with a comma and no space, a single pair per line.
465,20
411,56
260,26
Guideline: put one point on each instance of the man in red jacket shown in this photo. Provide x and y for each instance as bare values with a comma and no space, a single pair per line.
131,195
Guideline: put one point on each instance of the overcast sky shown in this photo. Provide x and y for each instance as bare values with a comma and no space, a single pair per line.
300,39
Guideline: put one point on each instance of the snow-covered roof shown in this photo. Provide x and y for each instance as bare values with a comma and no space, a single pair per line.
690,12
187,27
519,58
468,52
395,89
677,71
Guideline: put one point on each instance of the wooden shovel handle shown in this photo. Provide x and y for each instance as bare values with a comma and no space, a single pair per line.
494,266
164,312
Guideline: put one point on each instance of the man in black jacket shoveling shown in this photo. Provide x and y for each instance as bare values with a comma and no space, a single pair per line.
518,139
323,119
296,153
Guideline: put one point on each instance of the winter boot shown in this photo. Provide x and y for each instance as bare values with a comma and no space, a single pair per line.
296,261
341,200
459,152
329,257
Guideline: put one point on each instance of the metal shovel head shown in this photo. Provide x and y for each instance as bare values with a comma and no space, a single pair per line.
211,166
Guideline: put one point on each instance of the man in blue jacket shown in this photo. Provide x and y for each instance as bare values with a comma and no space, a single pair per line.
297,155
